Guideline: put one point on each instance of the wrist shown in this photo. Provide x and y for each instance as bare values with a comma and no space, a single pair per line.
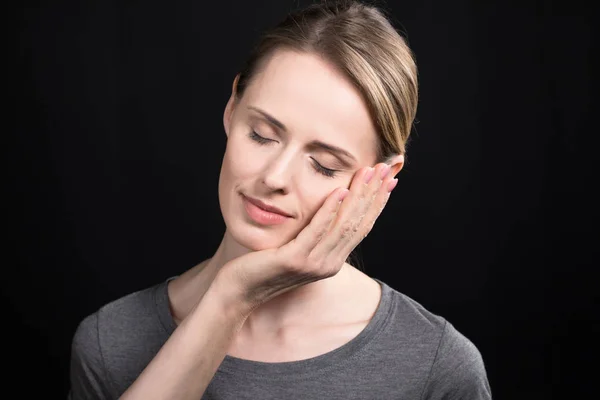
230,298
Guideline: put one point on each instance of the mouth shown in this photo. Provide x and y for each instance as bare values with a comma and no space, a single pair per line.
261,215
266,207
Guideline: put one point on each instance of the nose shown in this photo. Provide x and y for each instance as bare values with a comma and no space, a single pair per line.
278,172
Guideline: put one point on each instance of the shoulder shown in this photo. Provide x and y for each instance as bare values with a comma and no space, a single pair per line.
451,365
416,323
117,316
130,312
458,371
116,321
117,341
131,323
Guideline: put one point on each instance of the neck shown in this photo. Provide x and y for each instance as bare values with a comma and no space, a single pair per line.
292,308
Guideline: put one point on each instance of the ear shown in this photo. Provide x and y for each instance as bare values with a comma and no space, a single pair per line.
228,114
397,162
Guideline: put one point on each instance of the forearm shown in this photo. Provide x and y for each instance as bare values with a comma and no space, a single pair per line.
187,362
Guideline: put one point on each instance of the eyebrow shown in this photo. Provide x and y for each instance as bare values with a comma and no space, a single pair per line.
315,144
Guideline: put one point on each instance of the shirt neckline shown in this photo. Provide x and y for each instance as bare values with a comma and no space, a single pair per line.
299,369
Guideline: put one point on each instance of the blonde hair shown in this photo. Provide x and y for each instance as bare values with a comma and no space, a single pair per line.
359,41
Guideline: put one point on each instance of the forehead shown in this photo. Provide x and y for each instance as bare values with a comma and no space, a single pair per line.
315,101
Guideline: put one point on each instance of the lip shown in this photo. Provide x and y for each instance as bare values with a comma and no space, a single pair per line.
266,207
260,216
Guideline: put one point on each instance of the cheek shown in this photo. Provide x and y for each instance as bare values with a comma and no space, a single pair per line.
315,193
241,159
312,199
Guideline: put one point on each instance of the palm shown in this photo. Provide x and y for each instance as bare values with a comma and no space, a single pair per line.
320,249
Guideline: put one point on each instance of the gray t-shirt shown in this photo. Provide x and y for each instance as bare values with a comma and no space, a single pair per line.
404,352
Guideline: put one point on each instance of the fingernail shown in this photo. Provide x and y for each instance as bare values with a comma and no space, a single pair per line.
392,184
369,175
385,171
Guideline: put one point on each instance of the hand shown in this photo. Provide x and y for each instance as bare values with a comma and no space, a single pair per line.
321,248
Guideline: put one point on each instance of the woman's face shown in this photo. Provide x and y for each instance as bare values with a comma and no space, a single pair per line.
273,152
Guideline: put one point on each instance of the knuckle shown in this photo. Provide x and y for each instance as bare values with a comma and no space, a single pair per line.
350,228
366,199
346,229
373,197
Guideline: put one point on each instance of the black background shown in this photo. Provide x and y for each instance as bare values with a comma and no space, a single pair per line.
115,142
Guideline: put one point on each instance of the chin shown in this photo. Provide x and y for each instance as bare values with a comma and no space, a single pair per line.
248,235
253,238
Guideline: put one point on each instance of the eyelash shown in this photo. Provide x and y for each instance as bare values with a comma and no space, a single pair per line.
329,173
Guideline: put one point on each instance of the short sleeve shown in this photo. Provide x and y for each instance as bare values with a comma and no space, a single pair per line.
458,371
87,372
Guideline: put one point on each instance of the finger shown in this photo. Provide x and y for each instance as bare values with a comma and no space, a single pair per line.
351,212
313,233
349,223
362,191
381,199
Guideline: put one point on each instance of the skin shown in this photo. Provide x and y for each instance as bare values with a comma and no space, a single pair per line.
314,102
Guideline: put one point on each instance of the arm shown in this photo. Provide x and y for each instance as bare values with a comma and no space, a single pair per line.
187,362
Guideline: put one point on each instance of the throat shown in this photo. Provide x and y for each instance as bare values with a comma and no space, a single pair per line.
294,344
336,323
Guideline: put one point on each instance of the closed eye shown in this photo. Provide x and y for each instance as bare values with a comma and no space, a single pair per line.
329,173
257,138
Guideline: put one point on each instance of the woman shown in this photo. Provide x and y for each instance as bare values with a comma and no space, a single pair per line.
316,127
